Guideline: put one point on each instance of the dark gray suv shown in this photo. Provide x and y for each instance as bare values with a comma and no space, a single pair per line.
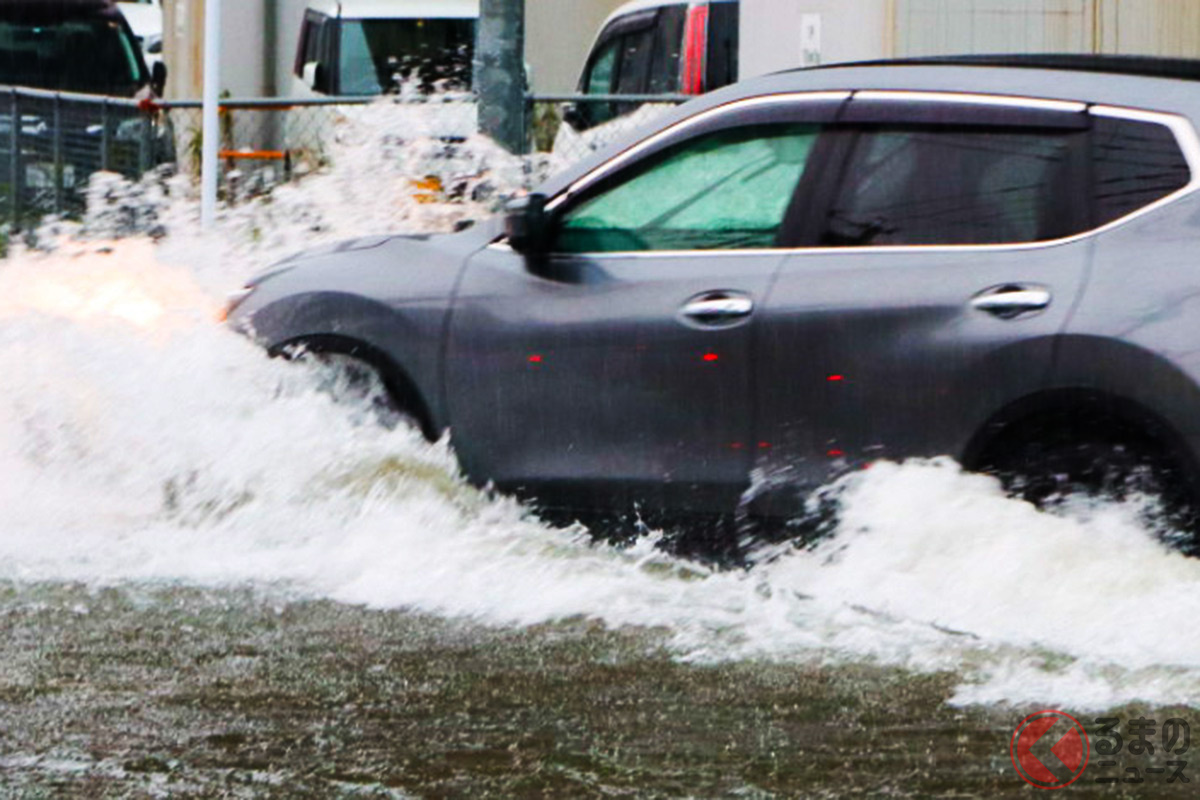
995,259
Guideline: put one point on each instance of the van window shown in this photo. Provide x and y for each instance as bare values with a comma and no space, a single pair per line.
79,55
722,63
599,80
668,49
377,54
635,61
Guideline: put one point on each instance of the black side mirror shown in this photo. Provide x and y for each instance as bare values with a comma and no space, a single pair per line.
158,78
528,227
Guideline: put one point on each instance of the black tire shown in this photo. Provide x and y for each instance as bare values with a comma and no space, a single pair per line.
1052,461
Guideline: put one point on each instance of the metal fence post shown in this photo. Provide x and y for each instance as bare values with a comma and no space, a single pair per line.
144,143
105,144
500,72
58,154
15,166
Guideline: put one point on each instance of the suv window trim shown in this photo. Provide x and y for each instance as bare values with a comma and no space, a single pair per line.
1180,126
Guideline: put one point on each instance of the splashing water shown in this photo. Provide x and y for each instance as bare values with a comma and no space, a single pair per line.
141,441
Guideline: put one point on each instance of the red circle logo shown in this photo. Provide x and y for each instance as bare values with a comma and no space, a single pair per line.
1049,749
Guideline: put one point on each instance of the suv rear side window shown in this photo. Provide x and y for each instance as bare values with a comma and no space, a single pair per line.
724,190
926,185
1135,164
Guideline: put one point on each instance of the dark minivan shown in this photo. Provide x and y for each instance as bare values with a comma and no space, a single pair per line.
73,46
658,47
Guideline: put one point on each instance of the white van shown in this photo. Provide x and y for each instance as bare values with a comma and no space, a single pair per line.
145,18
368,47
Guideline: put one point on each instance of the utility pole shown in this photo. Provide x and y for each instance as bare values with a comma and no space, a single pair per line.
211,132
500,72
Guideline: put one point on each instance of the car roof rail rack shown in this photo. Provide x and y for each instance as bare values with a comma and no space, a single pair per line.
1148,66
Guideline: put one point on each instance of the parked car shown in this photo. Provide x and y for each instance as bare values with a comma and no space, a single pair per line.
73,46
368,47
79,47
795,276
658,47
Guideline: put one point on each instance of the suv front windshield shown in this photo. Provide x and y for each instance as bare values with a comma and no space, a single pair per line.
376,55
76,55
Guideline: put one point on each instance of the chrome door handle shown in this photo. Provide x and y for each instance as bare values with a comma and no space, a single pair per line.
717,308
1011,301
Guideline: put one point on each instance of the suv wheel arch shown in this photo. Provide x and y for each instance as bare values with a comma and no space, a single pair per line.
401,389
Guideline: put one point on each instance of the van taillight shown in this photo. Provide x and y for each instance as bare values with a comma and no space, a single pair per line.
695,49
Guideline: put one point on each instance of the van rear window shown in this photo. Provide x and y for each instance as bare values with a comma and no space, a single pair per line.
376,55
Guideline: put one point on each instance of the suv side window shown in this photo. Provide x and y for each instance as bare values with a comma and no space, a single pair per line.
930,185
728,189
1134,164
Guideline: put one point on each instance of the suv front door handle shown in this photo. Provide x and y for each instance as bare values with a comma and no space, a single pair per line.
1012,300
717,309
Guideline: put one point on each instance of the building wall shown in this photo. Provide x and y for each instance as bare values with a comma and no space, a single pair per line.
774,36
558,37
1155,27
244,50
932,27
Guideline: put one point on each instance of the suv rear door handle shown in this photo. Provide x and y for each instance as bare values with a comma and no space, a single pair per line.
1012,300
717,309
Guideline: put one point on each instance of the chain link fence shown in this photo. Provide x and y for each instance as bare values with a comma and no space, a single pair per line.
573,127
52,142
288,137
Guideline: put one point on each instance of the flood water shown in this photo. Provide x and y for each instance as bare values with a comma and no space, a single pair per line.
217,579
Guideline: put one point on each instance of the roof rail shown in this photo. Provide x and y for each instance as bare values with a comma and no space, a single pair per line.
1148,66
